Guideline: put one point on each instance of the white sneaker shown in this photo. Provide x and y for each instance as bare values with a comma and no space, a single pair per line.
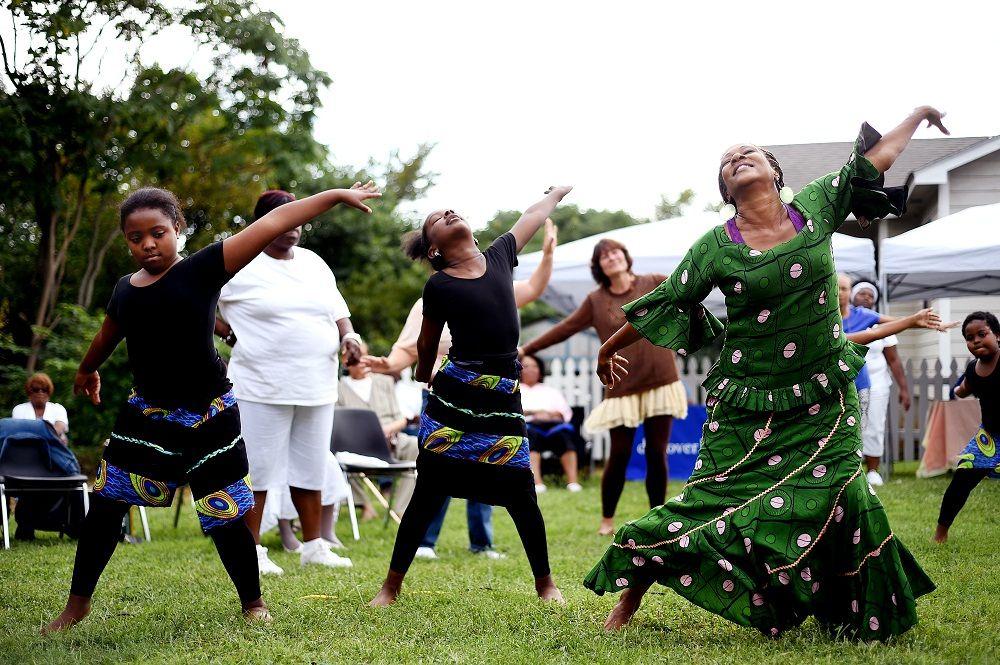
491,554
426,553
541,488
574,487
316,552
874,479
265,565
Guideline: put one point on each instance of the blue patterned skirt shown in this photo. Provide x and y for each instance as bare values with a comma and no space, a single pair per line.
981,453
152,451
473,413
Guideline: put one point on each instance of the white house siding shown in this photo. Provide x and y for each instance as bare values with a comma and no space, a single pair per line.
976,183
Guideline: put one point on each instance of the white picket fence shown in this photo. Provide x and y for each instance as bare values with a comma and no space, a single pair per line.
576,378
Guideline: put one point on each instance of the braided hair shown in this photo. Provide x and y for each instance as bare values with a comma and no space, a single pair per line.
779,182
152,198
416,246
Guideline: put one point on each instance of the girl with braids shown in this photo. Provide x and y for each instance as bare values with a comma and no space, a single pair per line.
777,521
473,441
181,424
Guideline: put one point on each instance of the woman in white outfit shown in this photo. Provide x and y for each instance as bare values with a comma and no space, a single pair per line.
880,360
287,323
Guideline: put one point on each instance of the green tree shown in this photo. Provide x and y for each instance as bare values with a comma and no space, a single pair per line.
573,224
72,150
675,207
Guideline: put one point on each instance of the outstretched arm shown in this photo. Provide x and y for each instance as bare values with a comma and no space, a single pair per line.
532,219
88,381
242,248
427,345
531,289
925,318
884,153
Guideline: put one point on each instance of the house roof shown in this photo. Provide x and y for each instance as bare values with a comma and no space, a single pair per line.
802,163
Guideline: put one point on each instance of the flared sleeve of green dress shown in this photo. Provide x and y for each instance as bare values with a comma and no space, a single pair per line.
672,315
856,188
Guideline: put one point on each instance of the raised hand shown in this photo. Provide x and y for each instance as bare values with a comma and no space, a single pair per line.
560,191
933,117
925,318
89,385
612,370
551,236
358,194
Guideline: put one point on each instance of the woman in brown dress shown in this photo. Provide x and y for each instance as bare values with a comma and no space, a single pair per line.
651,394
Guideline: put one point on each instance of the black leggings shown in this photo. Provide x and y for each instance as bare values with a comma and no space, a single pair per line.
428,499
962,483
657,431
103,529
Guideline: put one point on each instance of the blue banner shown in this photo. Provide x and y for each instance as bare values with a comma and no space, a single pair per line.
682,451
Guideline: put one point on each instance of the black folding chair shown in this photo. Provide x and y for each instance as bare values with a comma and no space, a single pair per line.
359,431
25,468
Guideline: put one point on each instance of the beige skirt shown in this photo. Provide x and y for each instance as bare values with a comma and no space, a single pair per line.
631,410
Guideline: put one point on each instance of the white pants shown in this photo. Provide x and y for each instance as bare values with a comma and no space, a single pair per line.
287,444
873,432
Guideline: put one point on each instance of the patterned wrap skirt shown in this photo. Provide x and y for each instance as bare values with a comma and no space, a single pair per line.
152,451
778,522
473,413
981,453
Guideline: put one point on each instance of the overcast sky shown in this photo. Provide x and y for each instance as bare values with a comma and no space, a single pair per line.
628,101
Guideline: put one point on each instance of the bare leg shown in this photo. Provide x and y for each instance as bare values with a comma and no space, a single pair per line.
871,463
627,606
308,505
288,539
329,519
255,515
569,464
536,466
941,534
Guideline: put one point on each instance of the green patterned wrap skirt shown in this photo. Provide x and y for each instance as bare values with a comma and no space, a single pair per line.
777,522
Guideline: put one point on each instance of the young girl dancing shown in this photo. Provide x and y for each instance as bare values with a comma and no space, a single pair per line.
980,458
473,441
181,424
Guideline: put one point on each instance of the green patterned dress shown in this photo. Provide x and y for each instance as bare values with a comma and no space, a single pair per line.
777,521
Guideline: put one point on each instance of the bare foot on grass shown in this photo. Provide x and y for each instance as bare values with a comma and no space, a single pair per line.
77,608
389,592
547,590
626,607
941,534
607,527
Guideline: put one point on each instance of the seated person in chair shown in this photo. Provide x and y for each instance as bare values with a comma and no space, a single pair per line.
39,389
548,417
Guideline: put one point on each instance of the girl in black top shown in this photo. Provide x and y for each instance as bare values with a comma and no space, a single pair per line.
181,424
473,442
982,379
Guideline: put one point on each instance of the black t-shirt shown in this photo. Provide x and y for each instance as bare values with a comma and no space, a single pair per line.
480,312
168,328
987,389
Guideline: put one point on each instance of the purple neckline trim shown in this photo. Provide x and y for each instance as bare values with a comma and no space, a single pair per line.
734,233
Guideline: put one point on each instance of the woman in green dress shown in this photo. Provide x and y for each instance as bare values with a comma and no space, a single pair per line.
777,521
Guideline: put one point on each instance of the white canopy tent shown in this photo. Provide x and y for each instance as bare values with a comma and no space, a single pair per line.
956,255
658,247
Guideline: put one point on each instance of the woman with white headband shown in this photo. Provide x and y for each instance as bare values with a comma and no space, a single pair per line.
882,359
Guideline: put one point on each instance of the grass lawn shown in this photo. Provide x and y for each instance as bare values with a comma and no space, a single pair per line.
170,600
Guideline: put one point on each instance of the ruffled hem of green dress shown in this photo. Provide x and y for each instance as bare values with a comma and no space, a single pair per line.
818,387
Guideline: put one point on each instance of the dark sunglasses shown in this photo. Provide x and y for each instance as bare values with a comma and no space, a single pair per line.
38,389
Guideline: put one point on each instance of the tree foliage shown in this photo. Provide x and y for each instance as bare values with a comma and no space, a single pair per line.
674,207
